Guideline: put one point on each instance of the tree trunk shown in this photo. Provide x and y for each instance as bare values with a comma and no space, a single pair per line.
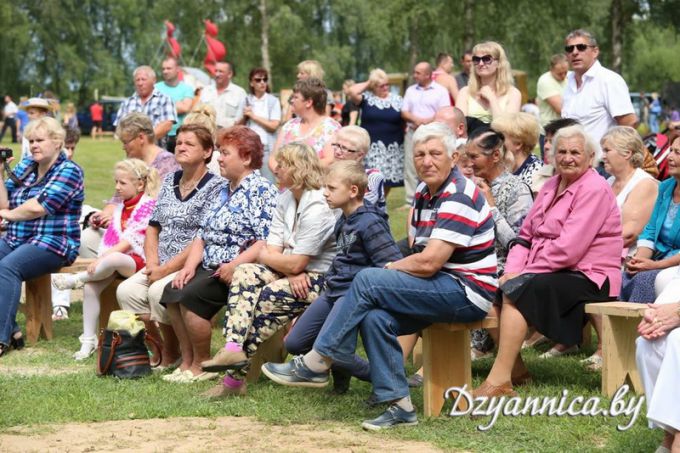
413,38
469,24
264,38
618,24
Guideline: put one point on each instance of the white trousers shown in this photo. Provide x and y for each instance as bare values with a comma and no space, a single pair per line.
658,363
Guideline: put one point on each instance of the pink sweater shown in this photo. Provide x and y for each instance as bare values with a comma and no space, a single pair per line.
581,232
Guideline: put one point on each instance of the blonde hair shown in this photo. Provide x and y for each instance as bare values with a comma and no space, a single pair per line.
55,131
376,77
520,126
351,173
357,135
623,139
138,169
307,172
504,78
203,115
312,68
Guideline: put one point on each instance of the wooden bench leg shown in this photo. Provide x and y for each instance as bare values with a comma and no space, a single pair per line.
618,354
587,335
418,354
108,302
447,363
38,308
271,350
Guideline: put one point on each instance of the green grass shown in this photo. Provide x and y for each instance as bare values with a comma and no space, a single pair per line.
54,389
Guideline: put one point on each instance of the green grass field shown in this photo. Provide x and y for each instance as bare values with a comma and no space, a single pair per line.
42,384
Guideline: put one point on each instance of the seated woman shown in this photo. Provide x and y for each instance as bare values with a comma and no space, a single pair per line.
658,247
568,253
509,198
42,205
289,276
521,131
122,248
658,353
184,200
232,232
635,190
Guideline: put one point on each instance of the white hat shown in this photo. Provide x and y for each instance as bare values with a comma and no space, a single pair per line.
38,103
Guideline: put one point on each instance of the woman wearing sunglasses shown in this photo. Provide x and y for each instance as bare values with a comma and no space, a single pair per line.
262,113
490,90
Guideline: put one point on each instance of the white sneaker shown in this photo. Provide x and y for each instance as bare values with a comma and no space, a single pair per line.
87,347
66,281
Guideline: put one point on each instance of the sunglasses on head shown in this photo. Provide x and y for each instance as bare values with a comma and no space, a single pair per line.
260,79
486,59
580,47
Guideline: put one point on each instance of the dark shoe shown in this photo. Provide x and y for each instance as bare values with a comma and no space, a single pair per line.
392,417
4,349
221,391
295,374
341,380
372,402
225,360
415,381
17,342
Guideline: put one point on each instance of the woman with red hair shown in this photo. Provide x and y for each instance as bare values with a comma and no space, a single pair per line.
233,232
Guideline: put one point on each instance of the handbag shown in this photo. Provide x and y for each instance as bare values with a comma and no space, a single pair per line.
125,355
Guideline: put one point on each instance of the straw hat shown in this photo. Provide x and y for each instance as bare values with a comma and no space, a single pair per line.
37,103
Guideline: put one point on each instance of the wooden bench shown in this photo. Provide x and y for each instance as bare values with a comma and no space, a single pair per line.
447,361
619,331
38,306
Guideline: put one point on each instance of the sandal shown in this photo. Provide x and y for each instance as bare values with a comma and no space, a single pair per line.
4,349
593,363
88,345
17,342
59,313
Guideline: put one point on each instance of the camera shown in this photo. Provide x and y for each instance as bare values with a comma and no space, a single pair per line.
5,154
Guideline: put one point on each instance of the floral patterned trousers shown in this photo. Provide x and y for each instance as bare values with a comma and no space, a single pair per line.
260,303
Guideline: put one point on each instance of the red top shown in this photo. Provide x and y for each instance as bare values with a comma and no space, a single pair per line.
97,112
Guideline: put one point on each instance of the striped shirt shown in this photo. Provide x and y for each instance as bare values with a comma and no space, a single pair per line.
61,193
375,192
459,214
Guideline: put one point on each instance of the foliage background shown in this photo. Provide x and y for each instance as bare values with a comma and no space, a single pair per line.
73,47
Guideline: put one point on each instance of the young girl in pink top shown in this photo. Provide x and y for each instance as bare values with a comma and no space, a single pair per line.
122,248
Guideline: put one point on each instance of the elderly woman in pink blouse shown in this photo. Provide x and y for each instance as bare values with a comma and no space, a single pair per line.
568,252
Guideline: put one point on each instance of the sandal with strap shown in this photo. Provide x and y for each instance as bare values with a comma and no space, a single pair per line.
87,348
4,349
59,313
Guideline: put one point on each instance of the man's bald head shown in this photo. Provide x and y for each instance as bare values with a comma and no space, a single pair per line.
454,118
422,73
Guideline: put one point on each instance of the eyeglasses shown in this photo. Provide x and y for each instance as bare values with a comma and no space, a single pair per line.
338,146
579,47
260,79
486,59
384,85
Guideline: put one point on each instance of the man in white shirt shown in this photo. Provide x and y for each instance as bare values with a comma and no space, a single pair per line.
9,114
228,99
595,96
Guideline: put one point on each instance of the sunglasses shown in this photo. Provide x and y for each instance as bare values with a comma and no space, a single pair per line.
486,59
339,147
260,79
580,47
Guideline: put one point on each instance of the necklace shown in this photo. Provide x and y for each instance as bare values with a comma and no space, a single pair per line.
186,187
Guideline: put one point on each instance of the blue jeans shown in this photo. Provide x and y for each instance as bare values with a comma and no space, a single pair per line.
301,338
384,304
16,265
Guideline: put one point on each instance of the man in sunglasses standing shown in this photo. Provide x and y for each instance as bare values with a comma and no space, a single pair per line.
595,96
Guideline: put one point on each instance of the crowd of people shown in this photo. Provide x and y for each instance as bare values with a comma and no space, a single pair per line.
278,213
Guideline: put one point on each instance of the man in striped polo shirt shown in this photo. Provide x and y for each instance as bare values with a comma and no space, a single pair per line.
450,277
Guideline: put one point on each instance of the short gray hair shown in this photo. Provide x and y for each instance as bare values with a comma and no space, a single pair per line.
575,131
144,68
581,33
136,123
437,130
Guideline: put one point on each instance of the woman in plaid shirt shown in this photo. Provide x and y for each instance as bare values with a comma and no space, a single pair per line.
42,206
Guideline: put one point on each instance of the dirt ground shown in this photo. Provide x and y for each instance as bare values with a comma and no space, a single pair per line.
198,435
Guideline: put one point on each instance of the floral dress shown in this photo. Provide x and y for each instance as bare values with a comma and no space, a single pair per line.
316,137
